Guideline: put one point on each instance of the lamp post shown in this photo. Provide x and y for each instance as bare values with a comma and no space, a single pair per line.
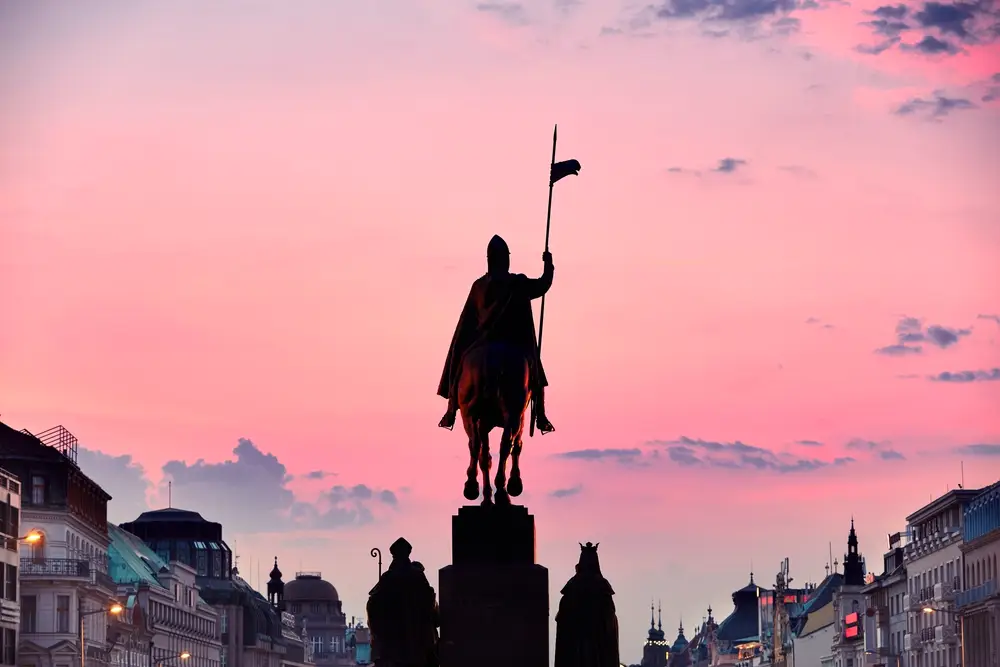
114,609
31,538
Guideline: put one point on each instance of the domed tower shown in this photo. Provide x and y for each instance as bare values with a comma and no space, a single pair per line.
854,564
316,603
276,588
656,650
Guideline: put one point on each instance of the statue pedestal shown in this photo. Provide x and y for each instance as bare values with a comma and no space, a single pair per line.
494,598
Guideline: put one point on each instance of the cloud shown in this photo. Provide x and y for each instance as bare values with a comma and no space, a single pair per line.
728,165
691,452
879,449
809,443
619,455
510,12
938,28
818,322
317,474
798,170
979,450
961,377
566,493
994,318
121,477
862,445
910,331
255,487
937,107
891,455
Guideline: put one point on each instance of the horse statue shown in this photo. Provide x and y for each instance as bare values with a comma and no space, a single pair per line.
493,371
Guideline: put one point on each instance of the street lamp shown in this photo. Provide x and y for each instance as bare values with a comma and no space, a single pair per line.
180,656
115,609
31,538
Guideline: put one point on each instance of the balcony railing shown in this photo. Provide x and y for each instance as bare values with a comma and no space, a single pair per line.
977,594
55,567
926,635
945,634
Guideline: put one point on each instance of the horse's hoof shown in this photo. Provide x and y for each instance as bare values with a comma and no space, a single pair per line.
487,502
502,498
471,490
514,486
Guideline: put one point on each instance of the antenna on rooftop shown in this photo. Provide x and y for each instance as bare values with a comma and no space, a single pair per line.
170,493
962,464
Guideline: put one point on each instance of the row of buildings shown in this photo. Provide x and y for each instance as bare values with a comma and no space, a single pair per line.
935,603
160,591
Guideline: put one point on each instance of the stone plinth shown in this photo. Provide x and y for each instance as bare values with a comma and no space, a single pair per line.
494,598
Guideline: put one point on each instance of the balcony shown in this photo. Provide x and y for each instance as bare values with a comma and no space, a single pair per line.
944,592
927,635
945,634
55,568
908,642
977,594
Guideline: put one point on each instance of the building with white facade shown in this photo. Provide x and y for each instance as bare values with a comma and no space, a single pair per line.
885,620
979,602
10,608
66,593
933,560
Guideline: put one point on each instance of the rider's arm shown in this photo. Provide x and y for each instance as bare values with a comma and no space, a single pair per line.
536,287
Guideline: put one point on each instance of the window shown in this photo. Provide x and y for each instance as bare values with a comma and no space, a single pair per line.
216,564
317,644
202,568
9,646
224,621
10,583
37,490
223,656
28,612
62,613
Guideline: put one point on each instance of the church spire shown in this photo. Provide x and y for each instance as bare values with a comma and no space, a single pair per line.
659,615
652,616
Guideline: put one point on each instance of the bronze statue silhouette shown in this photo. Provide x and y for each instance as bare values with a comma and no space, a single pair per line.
403,613
586,624
493,370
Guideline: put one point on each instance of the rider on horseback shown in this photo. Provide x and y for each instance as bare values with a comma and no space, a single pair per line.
499,310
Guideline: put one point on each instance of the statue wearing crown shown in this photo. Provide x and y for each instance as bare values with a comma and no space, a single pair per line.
586,624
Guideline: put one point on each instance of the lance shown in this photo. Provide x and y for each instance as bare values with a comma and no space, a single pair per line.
557,171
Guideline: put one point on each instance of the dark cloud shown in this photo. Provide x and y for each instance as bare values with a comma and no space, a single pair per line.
815,321
510,12
121,477
566,493
862,445
809,443
961,377
891,455
910,331
257,498
994,318
317,474
937,107
619,455
728,165
693,452
979,450
941,28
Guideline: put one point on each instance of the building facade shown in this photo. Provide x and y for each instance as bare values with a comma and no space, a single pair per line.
10,608
175,619
933,560
252,632
849,609
66,593
319,611
979,602
885,622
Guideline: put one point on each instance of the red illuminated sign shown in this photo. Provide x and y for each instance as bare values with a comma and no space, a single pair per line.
852,631
851,619
790,598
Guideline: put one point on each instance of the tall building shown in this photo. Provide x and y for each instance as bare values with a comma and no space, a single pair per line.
933,559
738,636
885,622
253,633
979,602
171,618
66,593
10,608
656,650
849,608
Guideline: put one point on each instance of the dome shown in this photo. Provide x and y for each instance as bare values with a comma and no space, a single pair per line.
310,587
170,514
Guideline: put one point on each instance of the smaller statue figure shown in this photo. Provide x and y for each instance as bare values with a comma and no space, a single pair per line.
403,614
586,624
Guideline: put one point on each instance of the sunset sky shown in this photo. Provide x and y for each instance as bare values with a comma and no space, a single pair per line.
235,238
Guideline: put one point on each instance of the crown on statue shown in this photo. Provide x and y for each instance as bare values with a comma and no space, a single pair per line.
588,556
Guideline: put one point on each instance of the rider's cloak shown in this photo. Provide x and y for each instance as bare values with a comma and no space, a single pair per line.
498,309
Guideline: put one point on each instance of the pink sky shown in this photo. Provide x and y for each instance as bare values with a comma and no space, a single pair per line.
261,223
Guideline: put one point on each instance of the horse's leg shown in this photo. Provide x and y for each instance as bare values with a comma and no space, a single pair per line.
515,486
485,461
501,478
471,482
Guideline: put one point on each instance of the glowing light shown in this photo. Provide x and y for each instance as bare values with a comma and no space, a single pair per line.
116,609
32,537
185,655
